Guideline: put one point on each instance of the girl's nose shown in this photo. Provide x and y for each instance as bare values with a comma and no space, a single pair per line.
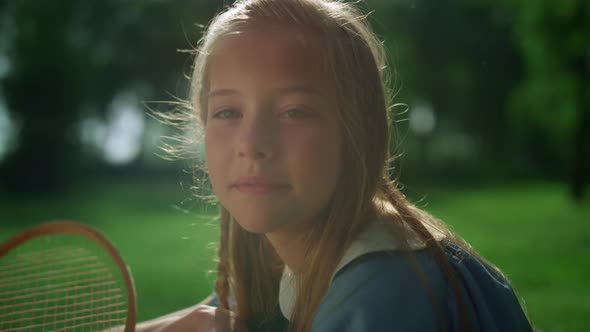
256,141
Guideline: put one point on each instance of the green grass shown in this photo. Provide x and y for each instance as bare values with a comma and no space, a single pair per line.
532,231
163,242
538,237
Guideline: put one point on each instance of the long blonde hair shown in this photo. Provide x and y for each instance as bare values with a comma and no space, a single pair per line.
248,267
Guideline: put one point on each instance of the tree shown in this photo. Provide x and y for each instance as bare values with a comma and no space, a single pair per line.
71,55
554,98
457,56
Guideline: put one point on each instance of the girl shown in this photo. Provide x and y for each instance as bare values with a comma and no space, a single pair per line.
293,102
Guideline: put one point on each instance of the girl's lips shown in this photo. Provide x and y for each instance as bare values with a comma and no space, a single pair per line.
259,188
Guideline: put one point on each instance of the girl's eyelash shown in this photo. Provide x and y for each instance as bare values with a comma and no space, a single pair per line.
291,113
296,113
226,113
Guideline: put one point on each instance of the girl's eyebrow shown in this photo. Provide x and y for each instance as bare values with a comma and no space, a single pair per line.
284,90
221,92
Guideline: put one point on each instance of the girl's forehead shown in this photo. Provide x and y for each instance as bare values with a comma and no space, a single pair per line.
271,51
265,34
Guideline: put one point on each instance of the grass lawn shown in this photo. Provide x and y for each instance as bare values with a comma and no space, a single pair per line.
531,231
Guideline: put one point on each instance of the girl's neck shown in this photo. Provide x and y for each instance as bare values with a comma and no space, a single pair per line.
290,244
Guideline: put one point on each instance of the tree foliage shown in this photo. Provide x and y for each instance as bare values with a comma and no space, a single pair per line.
552,104
68,56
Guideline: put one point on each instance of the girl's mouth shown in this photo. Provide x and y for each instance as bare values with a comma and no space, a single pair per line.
258,185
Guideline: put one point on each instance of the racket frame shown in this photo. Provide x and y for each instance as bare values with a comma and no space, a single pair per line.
76,228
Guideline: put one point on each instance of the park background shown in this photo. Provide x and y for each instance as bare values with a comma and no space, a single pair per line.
494,138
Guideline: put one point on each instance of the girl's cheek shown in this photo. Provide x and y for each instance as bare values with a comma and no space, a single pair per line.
313,145
215,160
218,135
216,145
315,135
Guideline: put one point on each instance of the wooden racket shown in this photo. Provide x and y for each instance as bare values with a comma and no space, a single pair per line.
64,276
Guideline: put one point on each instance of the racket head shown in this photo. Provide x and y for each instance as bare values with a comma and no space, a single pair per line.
59,275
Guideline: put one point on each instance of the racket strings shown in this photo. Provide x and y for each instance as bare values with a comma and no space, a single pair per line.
52,276
66,297
18,265
44,287
94,303
29,271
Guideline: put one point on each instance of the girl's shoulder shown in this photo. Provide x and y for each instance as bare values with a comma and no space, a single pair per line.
380,290
493,299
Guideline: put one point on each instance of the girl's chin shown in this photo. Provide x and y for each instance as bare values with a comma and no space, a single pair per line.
258,226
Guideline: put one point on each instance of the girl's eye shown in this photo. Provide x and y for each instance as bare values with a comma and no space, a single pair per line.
296,113
227,113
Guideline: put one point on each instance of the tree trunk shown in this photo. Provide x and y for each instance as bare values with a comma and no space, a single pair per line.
581,143
581,139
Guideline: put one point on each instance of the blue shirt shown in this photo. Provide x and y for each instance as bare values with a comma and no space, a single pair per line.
381,291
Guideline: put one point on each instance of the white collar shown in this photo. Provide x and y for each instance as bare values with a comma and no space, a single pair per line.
374,238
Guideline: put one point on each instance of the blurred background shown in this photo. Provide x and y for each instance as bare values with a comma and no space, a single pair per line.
494,138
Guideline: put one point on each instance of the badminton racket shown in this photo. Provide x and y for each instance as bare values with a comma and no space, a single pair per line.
64,276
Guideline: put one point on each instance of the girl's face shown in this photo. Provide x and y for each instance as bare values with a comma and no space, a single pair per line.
272,139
